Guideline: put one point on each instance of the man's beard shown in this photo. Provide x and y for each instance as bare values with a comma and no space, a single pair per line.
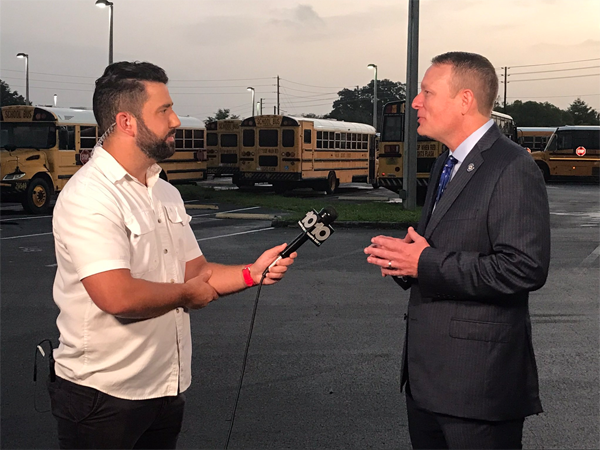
154,147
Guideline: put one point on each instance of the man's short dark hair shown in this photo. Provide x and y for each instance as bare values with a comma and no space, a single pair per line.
121,89
475,72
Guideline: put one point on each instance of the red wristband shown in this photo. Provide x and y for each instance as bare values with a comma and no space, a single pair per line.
248,276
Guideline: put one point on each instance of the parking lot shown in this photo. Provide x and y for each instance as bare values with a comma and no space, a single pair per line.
324,364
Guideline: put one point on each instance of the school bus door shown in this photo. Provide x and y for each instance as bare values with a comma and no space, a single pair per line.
307,144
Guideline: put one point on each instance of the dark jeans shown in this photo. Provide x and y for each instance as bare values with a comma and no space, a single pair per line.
429,430
88,418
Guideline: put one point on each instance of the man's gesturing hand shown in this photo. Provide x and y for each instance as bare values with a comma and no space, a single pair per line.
397,257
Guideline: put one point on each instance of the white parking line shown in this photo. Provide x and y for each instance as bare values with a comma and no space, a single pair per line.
591,257
25,236
231,210
235,234
24,218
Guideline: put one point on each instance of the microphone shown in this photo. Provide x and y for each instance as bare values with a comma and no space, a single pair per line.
316,226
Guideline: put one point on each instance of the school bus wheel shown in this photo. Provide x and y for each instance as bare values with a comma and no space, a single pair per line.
545,170
37,197
332,183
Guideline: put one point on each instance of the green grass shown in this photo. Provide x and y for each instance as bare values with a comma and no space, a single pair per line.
348,211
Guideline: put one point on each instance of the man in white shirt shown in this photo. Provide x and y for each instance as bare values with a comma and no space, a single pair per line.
129,270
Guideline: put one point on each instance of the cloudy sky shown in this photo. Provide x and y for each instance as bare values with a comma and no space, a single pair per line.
213,50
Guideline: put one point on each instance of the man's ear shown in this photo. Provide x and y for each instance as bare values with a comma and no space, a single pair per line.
126,123
467,100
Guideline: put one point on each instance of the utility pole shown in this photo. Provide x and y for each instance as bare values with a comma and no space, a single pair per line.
277,94
409,174
505,83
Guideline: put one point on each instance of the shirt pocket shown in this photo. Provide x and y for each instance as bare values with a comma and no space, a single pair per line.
143,242
178,220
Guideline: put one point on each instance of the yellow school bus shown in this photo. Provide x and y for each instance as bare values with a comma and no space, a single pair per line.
292,152
534,139
391,148
223,147
572,151
42,147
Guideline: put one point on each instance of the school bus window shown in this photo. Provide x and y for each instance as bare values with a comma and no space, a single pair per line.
589,139
87,137
365,143
179,138
229,140
66,138
198,138
212,139
307,137
248,138
287,138
188,141
267,138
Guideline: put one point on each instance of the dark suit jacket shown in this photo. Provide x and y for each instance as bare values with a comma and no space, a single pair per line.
468,349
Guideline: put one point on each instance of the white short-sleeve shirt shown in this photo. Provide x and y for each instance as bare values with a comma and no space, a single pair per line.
105,219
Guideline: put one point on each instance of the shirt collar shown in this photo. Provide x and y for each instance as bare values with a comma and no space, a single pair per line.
467,145
115,171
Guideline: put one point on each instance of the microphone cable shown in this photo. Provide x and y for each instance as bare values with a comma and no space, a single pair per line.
237,399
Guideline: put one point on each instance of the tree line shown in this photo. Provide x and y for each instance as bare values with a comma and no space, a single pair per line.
356,105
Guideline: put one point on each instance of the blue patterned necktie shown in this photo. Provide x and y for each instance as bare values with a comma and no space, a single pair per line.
445,177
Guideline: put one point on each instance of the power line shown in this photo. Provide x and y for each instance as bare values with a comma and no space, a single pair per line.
311,85
308,92
556,78
551,64
557,70
560,96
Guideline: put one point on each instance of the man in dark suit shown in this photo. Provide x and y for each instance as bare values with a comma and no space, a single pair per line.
482,244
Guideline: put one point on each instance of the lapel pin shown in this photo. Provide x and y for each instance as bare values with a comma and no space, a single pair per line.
471,167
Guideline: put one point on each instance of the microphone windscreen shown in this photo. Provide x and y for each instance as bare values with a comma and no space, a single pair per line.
329,214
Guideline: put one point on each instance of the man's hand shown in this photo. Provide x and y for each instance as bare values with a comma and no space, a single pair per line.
199,292
397,257
276,272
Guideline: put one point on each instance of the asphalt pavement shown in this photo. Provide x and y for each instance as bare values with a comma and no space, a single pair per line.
324,361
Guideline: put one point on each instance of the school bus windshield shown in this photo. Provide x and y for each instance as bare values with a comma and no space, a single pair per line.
27,135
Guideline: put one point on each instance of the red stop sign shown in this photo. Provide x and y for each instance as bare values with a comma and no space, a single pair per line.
580,151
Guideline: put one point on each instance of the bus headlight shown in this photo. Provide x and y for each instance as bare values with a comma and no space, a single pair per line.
13,176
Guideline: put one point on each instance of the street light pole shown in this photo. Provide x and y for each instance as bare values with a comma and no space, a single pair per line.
252,90
26,56
374,66
104,4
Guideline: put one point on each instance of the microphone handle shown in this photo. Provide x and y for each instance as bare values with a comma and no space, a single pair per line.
295,245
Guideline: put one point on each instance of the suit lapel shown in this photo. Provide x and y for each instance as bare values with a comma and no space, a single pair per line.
466,171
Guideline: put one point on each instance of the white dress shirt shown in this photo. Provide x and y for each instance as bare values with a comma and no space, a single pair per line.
105,219
467,145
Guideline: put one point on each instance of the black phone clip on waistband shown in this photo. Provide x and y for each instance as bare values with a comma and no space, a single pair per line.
39,348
